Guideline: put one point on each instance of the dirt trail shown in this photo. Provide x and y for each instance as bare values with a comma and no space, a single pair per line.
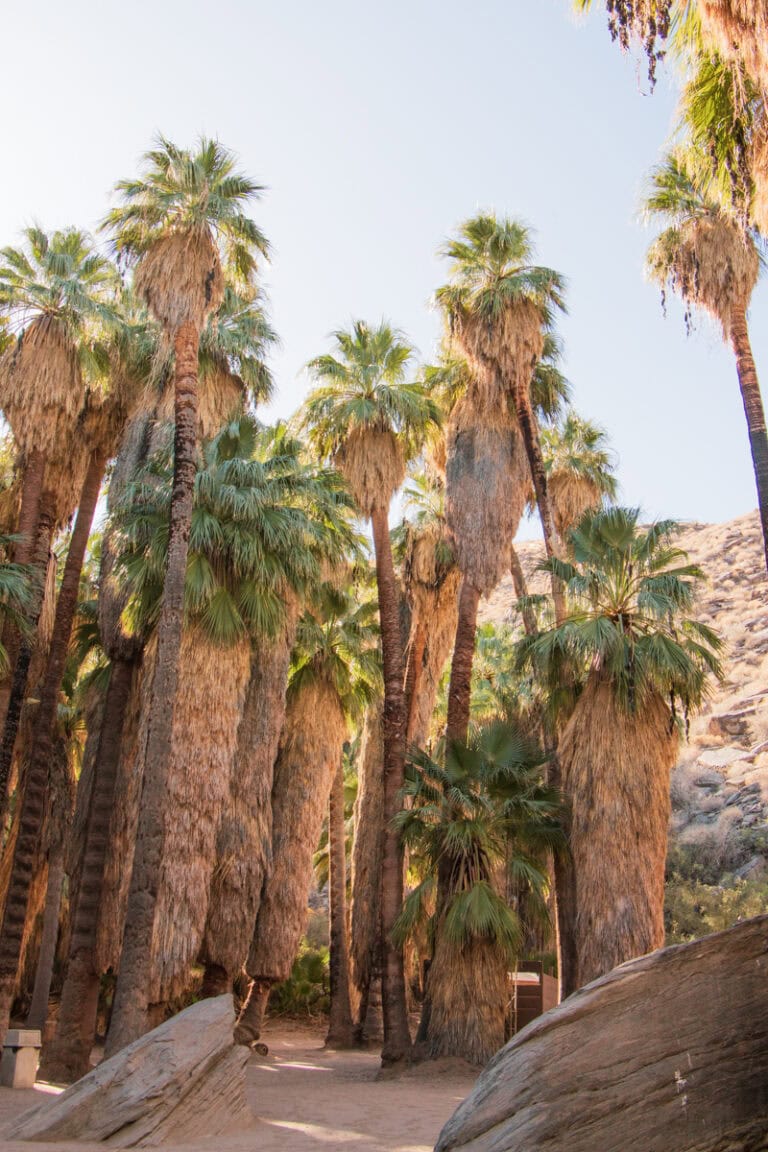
306,1099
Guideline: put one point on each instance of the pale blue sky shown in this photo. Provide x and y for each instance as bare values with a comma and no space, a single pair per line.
377,128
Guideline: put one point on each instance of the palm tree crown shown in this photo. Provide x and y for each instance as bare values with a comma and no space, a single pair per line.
365,414
181,220
705,253
631,593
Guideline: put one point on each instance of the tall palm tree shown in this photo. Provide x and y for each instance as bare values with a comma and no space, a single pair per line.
738,29
579,469
641,658
647,21
707,256
176,222
477,810
367,416
57,293
335,670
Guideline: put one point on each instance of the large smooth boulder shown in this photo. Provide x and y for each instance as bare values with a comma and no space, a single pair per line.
668,1053
184,1080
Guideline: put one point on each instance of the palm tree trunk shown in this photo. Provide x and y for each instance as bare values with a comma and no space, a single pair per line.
340,1026
32,810
38,1009
460,686
365,912
397,1038
66,1058
526,418
29,514
521,591
36,785
130,1012
753,410
413,676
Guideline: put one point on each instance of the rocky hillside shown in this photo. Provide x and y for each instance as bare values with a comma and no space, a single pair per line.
720,786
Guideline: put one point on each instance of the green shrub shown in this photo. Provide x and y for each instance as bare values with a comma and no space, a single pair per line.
693,909
306,992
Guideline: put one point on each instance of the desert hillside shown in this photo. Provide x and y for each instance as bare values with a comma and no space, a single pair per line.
720,786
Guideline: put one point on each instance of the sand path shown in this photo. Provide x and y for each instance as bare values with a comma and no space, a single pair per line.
306,1099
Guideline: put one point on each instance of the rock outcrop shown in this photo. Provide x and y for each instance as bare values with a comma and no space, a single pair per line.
668,1053
183,1080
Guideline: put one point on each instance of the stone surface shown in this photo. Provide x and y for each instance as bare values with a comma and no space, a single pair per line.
183,1080
18,1067
668,1053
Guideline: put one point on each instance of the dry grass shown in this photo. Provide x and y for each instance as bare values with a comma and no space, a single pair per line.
366,851
41,388
180,279
373,465
209,701
571,496
244,836
616,769
487,487
310,749
739,30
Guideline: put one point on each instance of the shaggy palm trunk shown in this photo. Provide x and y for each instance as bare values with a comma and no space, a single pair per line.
29,514
67,1056
413,678
365,918
615,768
467,992
244,838
45,716
38,1008
130,1016
32,810
397,1038
530,431
460,686
753,410
521,591
310,748
340,1025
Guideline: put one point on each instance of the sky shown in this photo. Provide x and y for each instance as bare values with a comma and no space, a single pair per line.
376,129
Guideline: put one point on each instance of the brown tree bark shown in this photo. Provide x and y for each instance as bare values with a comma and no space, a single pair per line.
67,1056
340,1025
397,1038
521,591
526,418
29,514
460,686
413,677
130,1011
32,806
38,1008
755,415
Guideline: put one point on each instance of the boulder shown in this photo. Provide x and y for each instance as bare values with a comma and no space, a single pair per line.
668,1053
184,1080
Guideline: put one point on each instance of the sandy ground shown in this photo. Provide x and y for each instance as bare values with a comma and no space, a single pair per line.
305,1099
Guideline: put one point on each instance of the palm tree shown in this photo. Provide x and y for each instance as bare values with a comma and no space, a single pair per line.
738,29
57,292
481,809
366,416
176,222
647,21
711,260
250,540
341,1025
579,469
640,657
335,670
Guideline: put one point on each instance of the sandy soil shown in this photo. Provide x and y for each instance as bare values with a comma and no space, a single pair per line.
306,1099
